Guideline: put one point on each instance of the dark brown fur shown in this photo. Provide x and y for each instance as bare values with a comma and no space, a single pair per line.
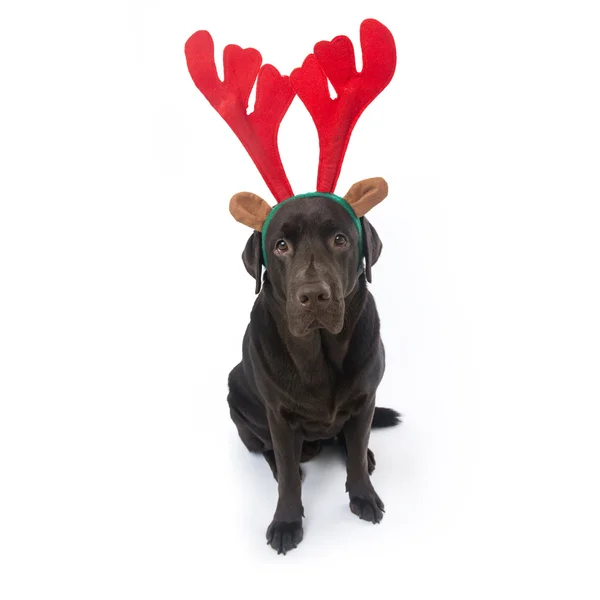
312,357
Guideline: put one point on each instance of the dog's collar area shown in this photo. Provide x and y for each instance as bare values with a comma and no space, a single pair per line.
338,199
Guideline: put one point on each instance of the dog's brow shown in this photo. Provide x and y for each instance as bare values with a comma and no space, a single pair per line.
292,230
329,224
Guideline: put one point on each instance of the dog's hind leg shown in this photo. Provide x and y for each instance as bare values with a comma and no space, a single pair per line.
310,450
247,414
251,441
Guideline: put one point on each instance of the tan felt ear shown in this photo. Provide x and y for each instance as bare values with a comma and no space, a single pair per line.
366,194
249,209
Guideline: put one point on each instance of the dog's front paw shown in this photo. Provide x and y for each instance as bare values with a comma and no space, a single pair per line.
368,507
284,535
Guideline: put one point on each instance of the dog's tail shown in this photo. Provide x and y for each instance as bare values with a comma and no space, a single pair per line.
385,417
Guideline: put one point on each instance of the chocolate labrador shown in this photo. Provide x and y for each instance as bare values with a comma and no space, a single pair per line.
312,356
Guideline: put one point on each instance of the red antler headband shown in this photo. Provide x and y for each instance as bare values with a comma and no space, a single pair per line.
274,94
334,118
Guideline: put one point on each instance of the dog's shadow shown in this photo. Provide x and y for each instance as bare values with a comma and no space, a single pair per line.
325,478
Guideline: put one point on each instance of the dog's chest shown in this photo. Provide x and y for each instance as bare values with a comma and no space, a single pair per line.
320,413
323,429
321,403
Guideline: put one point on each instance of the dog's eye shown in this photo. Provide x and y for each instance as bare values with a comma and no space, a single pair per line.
340,240
281,246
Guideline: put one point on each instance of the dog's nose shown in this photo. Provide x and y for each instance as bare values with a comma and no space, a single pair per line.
311,295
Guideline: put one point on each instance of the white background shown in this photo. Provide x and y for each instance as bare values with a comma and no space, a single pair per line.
124,301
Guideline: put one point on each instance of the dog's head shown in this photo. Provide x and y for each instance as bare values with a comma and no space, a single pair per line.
314,248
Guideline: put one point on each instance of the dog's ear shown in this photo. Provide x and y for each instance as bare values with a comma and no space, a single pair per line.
252,257
372,246
249,209
366,194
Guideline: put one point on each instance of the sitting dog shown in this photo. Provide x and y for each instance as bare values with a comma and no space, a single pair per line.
312,354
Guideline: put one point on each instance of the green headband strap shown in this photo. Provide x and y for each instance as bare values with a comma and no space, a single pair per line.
337,199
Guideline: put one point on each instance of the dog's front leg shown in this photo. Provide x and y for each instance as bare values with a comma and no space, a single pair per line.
285,531
364,501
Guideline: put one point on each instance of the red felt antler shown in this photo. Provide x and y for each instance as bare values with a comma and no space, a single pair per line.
274,94
335,118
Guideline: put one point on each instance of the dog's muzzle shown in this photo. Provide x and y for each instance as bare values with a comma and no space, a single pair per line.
314,306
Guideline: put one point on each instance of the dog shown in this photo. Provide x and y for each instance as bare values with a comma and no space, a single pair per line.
312,356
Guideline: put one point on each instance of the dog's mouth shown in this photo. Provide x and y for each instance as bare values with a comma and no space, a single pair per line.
303,323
